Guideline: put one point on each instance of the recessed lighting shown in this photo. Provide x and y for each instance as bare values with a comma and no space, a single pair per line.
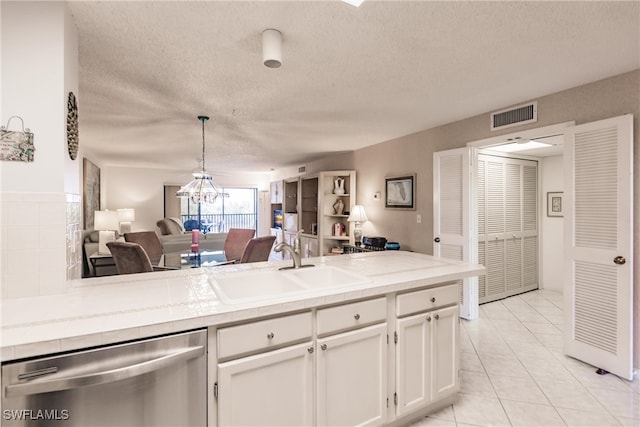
355,3
519,146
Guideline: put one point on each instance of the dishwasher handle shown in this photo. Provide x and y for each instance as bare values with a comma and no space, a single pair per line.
112,375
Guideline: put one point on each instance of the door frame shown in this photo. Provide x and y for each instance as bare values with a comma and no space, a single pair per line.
479,146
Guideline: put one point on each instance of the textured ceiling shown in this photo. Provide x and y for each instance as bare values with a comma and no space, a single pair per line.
351,77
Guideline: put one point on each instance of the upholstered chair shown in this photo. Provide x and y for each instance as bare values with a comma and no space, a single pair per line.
258,249
170,226
235,242
150,241
129,257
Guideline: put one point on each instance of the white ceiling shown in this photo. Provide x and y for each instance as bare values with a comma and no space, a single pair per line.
351,77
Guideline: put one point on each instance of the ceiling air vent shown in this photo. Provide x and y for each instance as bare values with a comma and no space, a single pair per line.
527,113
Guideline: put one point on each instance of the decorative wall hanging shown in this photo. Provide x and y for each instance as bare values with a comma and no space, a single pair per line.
72,126
90,192
400,192
16,145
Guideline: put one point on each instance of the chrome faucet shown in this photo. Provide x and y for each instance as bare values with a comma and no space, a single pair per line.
295,251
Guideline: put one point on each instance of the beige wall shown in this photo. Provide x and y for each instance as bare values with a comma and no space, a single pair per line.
414,153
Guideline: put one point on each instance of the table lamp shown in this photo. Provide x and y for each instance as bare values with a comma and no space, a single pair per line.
126,217
107,223
358,216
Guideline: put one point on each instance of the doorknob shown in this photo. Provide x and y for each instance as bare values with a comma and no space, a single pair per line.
619,260
437,240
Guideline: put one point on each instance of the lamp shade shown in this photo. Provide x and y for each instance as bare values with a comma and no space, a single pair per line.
106,221
357,214
126,215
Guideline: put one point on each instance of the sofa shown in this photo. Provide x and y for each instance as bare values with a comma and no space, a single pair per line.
175,239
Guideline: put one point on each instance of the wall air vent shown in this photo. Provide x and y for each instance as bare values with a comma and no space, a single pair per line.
515,116
302,169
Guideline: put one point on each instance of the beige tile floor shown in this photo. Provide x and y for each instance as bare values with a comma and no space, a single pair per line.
513,373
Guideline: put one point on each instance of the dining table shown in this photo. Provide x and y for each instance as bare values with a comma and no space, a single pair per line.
185,260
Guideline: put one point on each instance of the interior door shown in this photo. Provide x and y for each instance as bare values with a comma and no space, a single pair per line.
598,294
454,233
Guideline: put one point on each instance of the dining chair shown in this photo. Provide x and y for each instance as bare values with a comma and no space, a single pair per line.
257,249
129,257
235,242
150,241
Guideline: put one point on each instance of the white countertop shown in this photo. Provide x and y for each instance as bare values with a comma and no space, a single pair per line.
118,308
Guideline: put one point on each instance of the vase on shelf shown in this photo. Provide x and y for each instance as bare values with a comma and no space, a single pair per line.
338,186
338,207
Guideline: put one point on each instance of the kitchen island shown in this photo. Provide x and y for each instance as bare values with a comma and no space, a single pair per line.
389,341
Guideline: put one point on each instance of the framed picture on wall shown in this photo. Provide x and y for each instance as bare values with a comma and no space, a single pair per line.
400,192
555,205
90,192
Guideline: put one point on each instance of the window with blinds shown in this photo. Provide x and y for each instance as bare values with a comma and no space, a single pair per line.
507,203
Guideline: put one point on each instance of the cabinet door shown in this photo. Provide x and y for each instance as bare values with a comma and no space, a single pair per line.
274,388
352,378
413,362
309,246
276,192
446,358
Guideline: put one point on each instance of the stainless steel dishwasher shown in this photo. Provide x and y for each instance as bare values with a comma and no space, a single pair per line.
154,382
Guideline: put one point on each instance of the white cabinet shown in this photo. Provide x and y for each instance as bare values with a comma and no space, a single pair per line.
273,387
269,389
427,358
352,378
277,191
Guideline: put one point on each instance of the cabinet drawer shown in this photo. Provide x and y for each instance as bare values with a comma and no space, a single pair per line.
352,315
265,334
427,299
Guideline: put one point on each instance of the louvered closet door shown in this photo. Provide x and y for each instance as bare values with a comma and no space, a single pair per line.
598,288
452,231
507,226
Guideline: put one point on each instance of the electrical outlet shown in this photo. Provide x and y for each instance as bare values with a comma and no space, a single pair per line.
418,218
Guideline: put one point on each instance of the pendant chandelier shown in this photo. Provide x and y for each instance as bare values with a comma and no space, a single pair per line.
202,188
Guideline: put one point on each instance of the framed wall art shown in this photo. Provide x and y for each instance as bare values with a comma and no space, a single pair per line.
400,192
90,191
555,204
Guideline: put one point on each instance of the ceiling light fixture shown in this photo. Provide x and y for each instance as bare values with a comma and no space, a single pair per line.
272,48
202,188
355,3
519,145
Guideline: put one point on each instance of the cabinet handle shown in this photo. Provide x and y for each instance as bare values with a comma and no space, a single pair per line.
428,318
310,349
270,335
323,347
357,316
437,316
433,299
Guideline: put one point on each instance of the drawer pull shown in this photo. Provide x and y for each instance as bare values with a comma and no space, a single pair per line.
270,335
357,317
310,350
323,347
433,299
437,316
428,318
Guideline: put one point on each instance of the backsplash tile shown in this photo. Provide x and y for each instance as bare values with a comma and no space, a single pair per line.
40,246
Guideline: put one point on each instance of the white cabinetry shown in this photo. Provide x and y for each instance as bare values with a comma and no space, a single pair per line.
352,378
269,389
427,355
352,366
273,387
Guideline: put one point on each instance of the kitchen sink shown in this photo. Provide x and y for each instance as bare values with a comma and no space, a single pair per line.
256,285
324,276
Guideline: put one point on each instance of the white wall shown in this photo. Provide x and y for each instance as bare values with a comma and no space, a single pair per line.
551,228
40,209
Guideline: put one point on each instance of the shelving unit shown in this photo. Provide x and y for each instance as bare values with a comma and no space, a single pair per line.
328,238
311,198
